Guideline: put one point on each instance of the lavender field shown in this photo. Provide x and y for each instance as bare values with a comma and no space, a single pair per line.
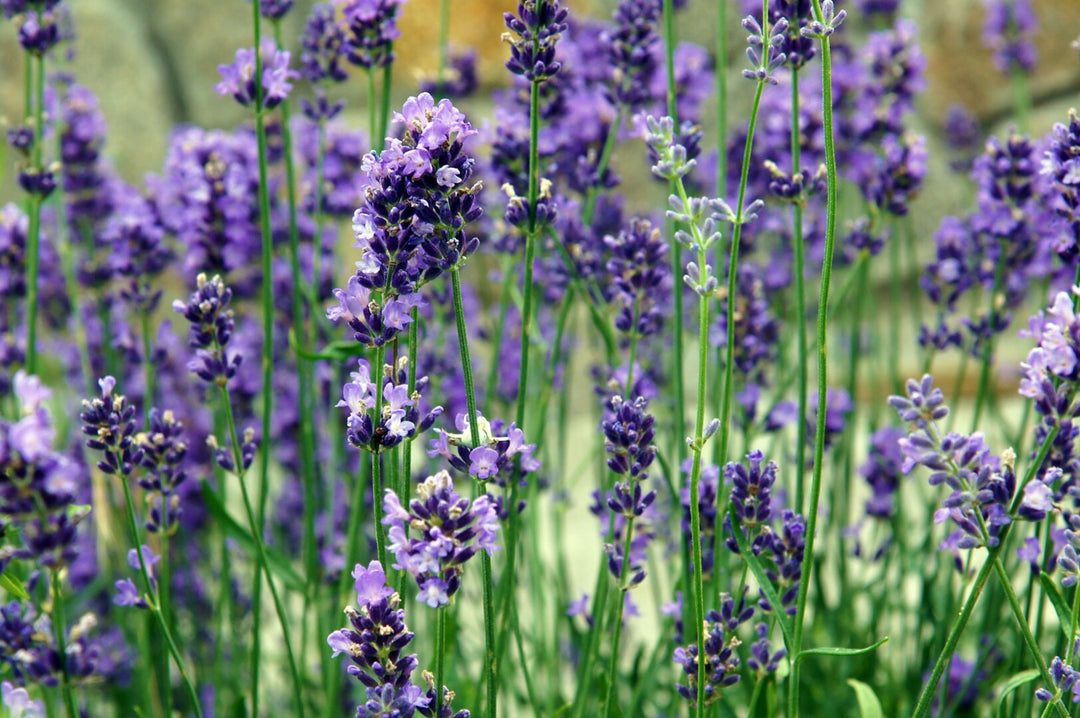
560,359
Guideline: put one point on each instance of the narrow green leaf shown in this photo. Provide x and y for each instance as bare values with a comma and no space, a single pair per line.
276,563
1061,606
334,351
1020,679
13,586
763,580
837,651
869,705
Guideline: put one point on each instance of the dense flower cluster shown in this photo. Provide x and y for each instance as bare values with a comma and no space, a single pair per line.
1008,31
534,31
39,486
411,226
372,26
451,530
983,486
374,641
721,660
212,325
238,79
401,418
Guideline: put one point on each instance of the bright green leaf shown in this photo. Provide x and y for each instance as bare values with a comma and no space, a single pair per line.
1061,606
13,586
869,705
1020,679
837,651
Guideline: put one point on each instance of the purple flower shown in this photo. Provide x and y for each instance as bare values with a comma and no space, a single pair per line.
374,641
238,79
534,31
483,462
1008,31
401,416
372,27
18,702
721,660
451,530
212,326
323,43
751,488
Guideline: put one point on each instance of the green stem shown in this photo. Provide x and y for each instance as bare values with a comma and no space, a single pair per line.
373,108
378,486
304,369
258,524
491,667
1025,629
620,604
149,375
822,336
33,237
721,99
800,298
149,596
440,648
59,625
260,551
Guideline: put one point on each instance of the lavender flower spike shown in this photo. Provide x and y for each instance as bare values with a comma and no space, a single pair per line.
238,79
451,530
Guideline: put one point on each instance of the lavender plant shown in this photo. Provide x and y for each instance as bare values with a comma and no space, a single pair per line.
477,415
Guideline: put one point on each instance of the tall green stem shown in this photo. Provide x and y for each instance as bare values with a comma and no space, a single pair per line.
620,603
261,569
259,523
491,668
800,297
59,625
822,378
732,286
155,609
33,237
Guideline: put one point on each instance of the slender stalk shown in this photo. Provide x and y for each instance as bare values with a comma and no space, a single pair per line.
377,484
822,348
59,624
678,350
258,525
440,648
697,445
799,249
721,99
733,278
373,111
304,369
33,236
152,604
526,334
491,668
149,375
620,603
260,551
